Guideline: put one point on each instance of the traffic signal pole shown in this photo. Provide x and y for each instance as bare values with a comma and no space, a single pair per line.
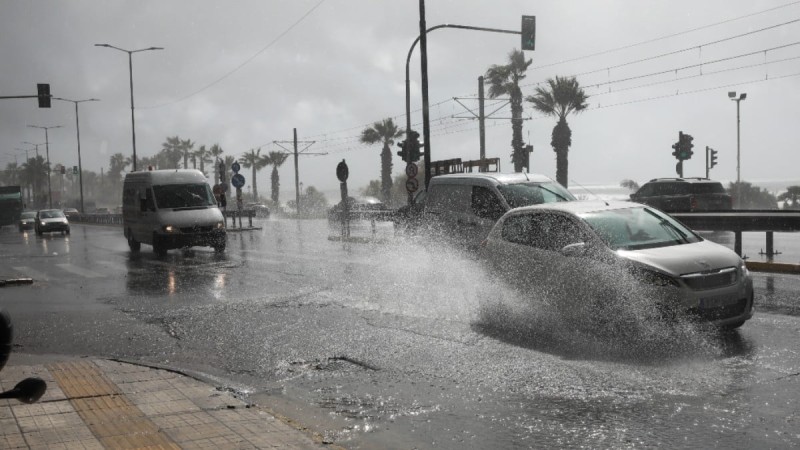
424,69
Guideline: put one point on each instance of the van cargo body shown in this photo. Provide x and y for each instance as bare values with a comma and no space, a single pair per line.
171,209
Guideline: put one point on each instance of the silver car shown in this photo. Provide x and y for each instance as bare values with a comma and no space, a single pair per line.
50,220
563,244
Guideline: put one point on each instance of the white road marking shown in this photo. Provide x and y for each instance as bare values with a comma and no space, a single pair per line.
35,274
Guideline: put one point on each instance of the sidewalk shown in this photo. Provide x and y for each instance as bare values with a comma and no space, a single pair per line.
96,404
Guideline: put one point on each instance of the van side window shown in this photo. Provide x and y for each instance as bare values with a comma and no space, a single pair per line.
129,196
449,197
485,203
148,203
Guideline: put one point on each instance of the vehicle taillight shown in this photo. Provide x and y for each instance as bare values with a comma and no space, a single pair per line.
693,203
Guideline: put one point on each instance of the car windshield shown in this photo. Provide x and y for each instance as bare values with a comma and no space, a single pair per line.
638,228
28,215
183,195
526,194
50,214
708,188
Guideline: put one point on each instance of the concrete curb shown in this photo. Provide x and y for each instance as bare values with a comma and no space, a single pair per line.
773,267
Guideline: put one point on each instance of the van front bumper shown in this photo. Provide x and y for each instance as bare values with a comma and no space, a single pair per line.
213,238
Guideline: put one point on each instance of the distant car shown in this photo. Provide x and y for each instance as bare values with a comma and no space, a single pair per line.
359,208
585,247
684,195
27,220
50,220
102,211
72,213
261,210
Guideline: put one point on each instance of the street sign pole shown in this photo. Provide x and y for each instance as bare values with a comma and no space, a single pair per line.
342,172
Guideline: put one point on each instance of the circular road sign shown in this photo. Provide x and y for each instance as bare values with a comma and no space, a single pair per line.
237,180
342,172
235,167
412,184
411,170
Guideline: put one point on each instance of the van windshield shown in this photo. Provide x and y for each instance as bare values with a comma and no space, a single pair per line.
526,194
183,195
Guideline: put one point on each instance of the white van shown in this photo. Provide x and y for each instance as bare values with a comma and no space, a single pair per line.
171,209
464,207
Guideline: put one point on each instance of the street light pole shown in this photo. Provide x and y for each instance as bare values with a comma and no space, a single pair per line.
78,129
742,96
47,148
130,73
33,172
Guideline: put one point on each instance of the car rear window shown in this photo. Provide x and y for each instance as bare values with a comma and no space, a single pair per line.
526,194
708,188
671,189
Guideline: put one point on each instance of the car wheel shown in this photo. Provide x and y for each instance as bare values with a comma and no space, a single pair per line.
733,326
219,248
67,232
133,244
158,247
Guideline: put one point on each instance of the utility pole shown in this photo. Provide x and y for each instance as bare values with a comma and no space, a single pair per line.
426,128
297,153
47,148
481,121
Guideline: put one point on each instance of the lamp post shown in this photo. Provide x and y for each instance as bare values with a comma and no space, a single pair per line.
78,129
47,148
742,96
130,72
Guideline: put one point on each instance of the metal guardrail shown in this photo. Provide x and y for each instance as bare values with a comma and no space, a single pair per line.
105,219
740,221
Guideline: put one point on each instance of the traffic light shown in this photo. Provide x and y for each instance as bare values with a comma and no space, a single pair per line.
74,170
43,91
528,32
712,158
685,151
403,153
413,147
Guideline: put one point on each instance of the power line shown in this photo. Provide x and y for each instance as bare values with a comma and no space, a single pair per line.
246,62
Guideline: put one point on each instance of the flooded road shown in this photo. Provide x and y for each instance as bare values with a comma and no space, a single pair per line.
401,343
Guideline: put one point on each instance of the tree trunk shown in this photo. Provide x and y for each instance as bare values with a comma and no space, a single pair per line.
386,173
517,157
276,185
561,140
255,186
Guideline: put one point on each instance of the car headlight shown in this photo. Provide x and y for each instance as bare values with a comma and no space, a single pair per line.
743,268
657,278
220,225
44,223
169,229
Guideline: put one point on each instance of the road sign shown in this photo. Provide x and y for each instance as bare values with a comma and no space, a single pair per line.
412,184
237,180
342,172
411,170
235,167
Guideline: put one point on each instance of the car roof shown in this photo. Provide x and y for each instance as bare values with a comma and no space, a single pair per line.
683,180
53,209
497,177
579,206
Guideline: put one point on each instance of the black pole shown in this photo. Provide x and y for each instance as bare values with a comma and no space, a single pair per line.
80,167
481,122
426,130
47,149
133,122
296,175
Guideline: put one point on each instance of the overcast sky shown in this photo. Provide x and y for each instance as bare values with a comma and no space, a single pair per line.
243,74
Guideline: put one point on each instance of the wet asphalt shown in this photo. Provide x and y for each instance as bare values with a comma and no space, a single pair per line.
397,342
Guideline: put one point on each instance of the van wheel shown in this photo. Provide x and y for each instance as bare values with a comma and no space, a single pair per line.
219,248
133,244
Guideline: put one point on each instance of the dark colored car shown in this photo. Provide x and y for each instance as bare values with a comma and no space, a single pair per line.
49,220
684,195
27,220
72,213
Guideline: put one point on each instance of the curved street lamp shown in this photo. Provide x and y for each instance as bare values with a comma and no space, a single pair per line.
78,128
742,96
130,72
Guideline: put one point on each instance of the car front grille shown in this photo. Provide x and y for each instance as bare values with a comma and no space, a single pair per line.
206,229
720,312
711,280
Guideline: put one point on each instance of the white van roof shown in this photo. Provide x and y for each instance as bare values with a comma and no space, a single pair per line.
168,176
492,177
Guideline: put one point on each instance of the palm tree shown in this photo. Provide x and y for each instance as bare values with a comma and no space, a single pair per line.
504,80
203,156
116,164
385,132
564,96
276,159
186,147
215,152
34,171
254,160
170,154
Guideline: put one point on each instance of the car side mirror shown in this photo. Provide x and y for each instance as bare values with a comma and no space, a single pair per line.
575,250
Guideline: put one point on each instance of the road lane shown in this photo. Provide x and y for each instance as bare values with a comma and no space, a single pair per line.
404,344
